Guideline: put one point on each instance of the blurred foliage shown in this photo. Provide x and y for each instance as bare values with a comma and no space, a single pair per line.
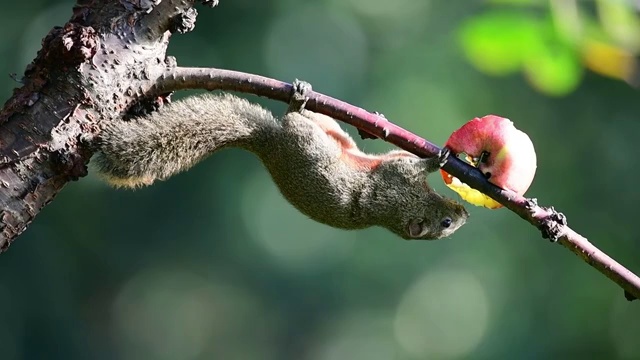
552,41
214,264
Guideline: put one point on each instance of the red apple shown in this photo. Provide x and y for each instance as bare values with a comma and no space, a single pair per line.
503,153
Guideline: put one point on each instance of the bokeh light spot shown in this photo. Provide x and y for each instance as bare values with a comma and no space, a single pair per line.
359,335
326,48
162,314
292,239
444,314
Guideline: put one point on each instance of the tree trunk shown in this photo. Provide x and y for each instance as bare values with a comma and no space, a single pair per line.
93,69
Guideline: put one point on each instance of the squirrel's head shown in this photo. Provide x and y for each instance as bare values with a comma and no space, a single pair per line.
416,211
438,217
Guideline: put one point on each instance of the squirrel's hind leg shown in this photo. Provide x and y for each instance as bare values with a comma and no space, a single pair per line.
299,97
328,125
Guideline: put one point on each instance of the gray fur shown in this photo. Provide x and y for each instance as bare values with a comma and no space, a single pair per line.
302,159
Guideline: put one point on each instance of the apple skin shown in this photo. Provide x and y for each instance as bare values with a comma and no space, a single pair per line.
511,161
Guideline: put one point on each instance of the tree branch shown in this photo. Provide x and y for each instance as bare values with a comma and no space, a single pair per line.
551,223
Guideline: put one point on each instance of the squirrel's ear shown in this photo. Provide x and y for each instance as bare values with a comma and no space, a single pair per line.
416,228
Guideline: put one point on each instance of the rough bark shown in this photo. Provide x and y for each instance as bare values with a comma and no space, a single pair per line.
90,70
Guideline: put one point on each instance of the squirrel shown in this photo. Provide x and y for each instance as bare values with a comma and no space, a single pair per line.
316,165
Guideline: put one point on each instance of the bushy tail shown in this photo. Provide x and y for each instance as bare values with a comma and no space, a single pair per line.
137,152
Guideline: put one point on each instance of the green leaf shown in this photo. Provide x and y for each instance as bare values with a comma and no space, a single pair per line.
517,2
496,42
620,21
553,66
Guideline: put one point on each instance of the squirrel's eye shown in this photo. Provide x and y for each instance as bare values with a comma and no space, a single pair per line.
446,222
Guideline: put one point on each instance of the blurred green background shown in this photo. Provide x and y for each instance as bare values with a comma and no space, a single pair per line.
214,264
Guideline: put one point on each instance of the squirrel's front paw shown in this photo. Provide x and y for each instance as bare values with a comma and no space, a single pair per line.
443,156
435,163
366,135
301,90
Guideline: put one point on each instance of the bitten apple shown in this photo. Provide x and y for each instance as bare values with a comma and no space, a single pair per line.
504,154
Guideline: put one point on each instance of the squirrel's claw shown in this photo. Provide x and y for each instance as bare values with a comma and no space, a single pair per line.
300,96
443,155
366,135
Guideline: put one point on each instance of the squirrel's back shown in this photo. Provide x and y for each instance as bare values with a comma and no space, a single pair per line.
313,174
137,152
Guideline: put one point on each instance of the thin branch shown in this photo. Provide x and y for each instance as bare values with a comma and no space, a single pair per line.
552,224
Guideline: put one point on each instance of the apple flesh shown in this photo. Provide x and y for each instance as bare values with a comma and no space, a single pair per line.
504,154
